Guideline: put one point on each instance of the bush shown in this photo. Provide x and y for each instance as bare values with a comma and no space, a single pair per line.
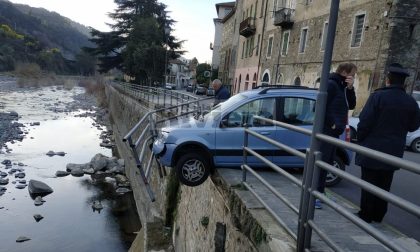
95,86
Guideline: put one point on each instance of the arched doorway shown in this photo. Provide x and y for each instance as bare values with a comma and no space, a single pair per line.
246,82
254,81
239,84
297,81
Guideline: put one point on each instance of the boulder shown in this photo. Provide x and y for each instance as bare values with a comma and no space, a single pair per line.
61,173
97,205
20,186
99,162
60,153
4,181
39,188
121,162
50,153
77,172
38,217
38,201
6,162
122,190
22,239
89,171
70,166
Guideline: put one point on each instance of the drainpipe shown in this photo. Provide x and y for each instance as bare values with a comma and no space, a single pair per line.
262,39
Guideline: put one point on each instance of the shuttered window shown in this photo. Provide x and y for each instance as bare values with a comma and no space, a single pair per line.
359,21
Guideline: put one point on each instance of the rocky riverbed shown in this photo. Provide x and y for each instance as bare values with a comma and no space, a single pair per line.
47,134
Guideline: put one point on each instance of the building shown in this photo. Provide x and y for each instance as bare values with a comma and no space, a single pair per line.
222,10
283,41
179,72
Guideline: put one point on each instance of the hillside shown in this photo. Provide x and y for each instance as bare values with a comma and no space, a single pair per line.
49,28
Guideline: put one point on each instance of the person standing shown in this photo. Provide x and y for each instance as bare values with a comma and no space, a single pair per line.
388,115
340,98
221,92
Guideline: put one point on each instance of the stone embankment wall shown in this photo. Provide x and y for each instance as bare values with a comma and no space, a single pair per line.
210,217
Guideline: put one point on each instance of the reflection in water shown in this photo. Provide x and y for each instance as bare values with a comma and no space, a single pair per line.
69,223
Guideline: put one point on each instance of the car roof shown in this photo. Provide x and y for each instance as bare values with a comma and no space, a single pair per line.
282,90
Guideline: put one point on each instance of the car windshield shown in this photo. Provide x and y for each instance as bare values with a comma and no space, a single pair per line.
215,111
416,96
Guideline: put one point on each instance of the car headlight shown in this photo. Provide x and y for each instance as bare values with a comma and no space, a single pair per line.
162,136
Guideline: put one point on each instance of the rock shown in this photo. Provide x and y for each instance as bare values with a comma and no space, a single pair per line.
4,181
22,239
97,205
121,162
3,174
39,188
38,217
3,189
61,173
60,153
35,124
77,172
20,175
89,171
99,162
117,169
70,166
50,153
122,190
22,181
38,201
20,164
6,162
20,186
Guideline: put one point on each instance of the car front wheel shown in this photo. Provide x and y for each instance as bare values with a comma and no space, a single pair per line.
415,145
333,179
193,169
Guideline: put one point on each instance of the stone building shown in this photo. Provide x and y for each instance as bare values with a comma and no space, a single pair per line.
287,41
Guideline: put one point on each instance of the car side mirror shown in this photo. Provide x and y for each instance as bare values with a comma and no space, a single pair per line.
224,123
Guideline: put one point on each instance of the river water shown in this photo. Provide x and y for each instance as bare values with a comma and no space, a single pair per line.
69,222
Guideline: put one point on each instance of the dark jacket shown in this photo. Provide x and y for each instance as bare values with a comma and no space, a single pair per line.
388,115
339,101
222,94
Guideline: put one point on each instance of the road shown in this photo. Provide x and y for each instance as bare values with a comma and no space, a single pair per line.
405,185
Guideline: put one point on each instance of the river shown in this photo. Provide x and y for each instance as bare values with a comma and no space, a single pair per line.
69,222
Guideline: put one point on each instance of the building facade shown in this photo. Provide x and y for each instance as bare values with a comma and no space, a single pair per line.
287,41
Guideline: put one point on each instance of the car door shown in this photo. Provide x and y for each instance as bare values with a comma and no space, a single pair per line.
230,134
298,111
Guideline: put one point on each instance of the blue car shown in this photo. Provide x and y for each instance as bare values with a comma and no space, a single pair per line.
196,146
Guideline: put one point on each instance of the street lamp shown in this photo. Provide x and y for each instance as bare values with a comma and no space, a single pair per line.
167,31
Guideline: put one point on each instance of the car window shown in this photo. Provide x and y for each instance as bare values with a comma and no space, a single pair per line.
298,111
245,114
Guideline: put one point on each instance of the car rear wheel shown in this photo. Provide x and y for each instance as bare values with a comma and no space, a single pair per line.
193,169
333,179
415,145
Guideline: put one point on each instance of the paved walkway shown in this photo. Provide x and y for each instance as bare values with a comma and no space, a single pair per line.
348,236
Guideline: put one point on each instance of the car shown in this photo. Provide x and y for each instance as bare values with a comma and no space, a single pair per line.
170,86
211,91
189,88
201,90
412,140
199,145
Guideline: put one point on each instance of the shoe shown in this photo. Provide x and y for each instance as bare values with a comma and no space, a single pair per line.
318,204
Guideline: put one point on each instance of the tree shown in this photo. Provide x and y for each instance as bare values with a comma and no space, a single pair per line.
201,68
137,44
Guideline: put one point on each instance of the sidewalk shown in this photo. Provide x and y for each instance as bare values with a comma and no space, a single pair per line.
348,236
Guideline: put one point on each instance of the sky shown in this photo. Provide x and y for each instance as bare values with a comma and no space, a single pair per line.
194,19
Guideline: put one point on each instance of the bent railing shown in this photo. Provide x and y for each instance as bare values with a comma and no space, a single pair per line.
305,210
144,132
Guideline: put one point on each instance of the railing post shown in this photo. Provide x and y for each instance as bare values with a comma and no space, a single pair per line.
304,201
311,202
245,153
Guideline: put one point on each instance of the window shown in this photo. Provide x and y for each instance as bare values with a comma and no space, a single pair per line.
285,43
262,9
258,45
256,7
245,114
270,46
251,46
303,38
298,111
356,39
324,36
247,48
243,49
251,12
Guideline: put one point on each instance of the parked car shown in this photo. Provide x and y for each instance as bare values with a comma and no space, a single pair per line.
189,88
170,86
201,90
211,91
412,140
196,147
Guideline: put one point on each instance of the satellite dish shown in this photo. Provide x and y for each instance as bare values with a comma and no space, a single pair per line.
207,74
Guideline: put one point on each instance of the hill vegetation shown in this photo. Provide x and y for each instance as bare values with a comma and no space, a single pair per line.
35,35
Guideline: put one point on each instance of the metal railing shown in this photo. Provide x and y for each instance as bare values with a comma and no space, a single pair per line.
310,182
144,132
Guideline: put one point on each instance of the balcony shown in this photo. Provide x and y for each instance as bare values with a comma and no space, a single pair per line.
284,17
247,27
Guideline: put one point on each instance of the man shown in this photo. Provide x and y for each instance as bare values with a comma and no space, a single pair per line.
341,97
221,92
385,120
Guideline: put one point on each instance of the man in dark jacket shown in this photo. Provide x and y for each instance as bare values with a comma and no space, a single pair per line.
341,97
388,115
221,92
